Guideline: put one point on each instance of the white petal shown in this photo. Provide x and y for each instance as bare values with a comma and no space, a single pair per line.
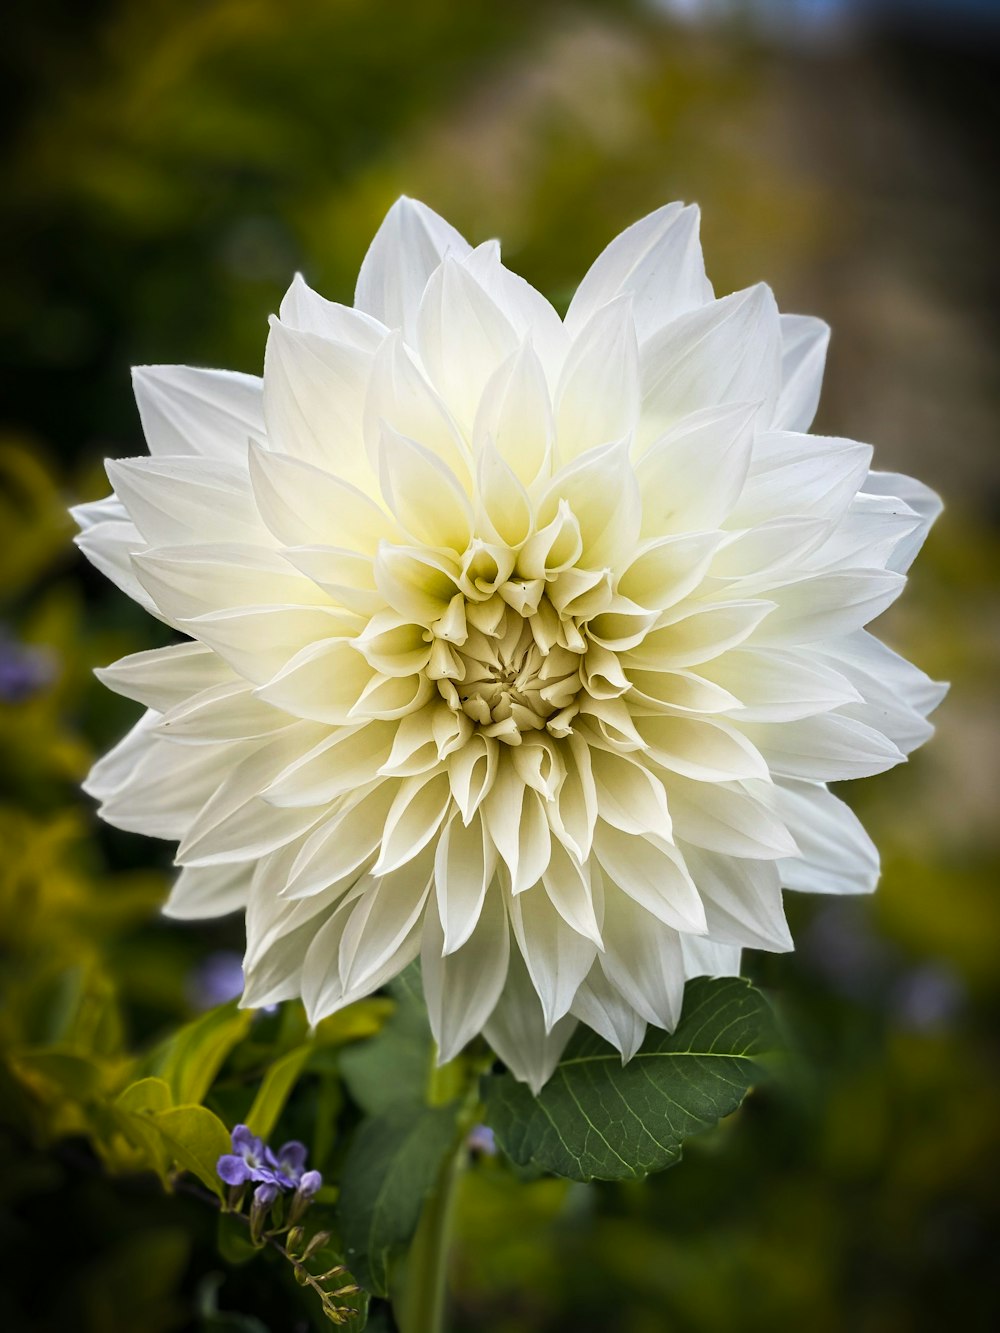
177,500
314,393
826,748
699,748
804,340
924,502
557,956
653,874
339,849
382,920
413,819
708,958
189,581
400,395
304,505
642,959
696,633
598,394
347,759
226,712
260,641
160,678
322,682
601,1007
109,546
423,493
837,855
567,883
726,818
235,824
692,476
530,315
601,490
742,900
821,606
628,795
515,414
168,787
808,475
201,892
463,871
518,1033
728,351
308,312
658,261
463,338
208,412
407,248
775,685
462,988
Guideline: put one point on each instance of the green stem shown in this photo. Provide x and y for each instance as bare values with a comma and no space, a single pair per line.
422,1307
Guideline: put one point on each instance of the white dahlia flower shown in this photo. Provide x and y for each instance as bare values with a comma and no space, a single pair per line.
524,645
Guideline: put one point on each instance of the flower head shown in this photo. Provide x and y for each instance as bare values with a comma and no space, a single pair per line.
249,1160
523,644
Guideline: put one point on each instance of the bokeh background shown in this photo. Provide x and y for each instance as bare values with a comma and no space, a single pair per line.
167,167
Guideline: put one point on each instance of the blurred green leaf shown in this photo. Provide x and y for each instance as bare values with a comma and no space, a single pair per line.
189,1060
392,1068
392,1163
233,1240
196,1139
146,1094
599,1119
275,1090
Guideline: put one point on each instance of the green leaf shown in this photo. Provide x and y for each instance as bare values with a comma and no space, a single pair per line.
392,1068
598,1119
391,1166
275,1089
147,1094
232,1239
190,1059
195,1138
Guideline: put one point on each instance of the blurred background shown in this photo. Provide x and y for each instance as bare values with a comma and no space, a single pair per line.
168,166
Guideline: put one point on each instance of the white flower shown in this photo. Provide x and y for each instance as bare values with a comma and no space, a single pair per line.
526,645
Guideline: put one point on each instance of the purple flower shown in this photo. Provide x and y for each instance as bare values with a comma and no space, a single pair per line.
264,1195
310,1184
481,1139
24,670
215,980
288,1163
249,1160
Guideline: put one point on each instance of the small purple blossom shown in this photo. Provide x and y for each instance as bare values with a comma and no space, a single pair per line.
264,1195
289,1162
216,980
281,1171
481,1139
310,1184
249,1160
24,669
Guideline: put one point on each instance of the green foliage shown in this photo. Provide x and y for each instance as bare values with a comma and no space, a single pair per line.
393,1070
393,1163
598,1119
190,1058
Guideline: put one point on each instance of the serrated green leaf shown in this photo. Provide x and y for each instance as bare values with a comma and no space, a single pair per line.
598,1119
391,1166
189,1060
392,1068
274,1091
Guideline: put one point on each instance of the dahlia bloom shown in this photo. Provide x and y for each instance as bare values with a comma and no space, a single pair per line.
521,644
